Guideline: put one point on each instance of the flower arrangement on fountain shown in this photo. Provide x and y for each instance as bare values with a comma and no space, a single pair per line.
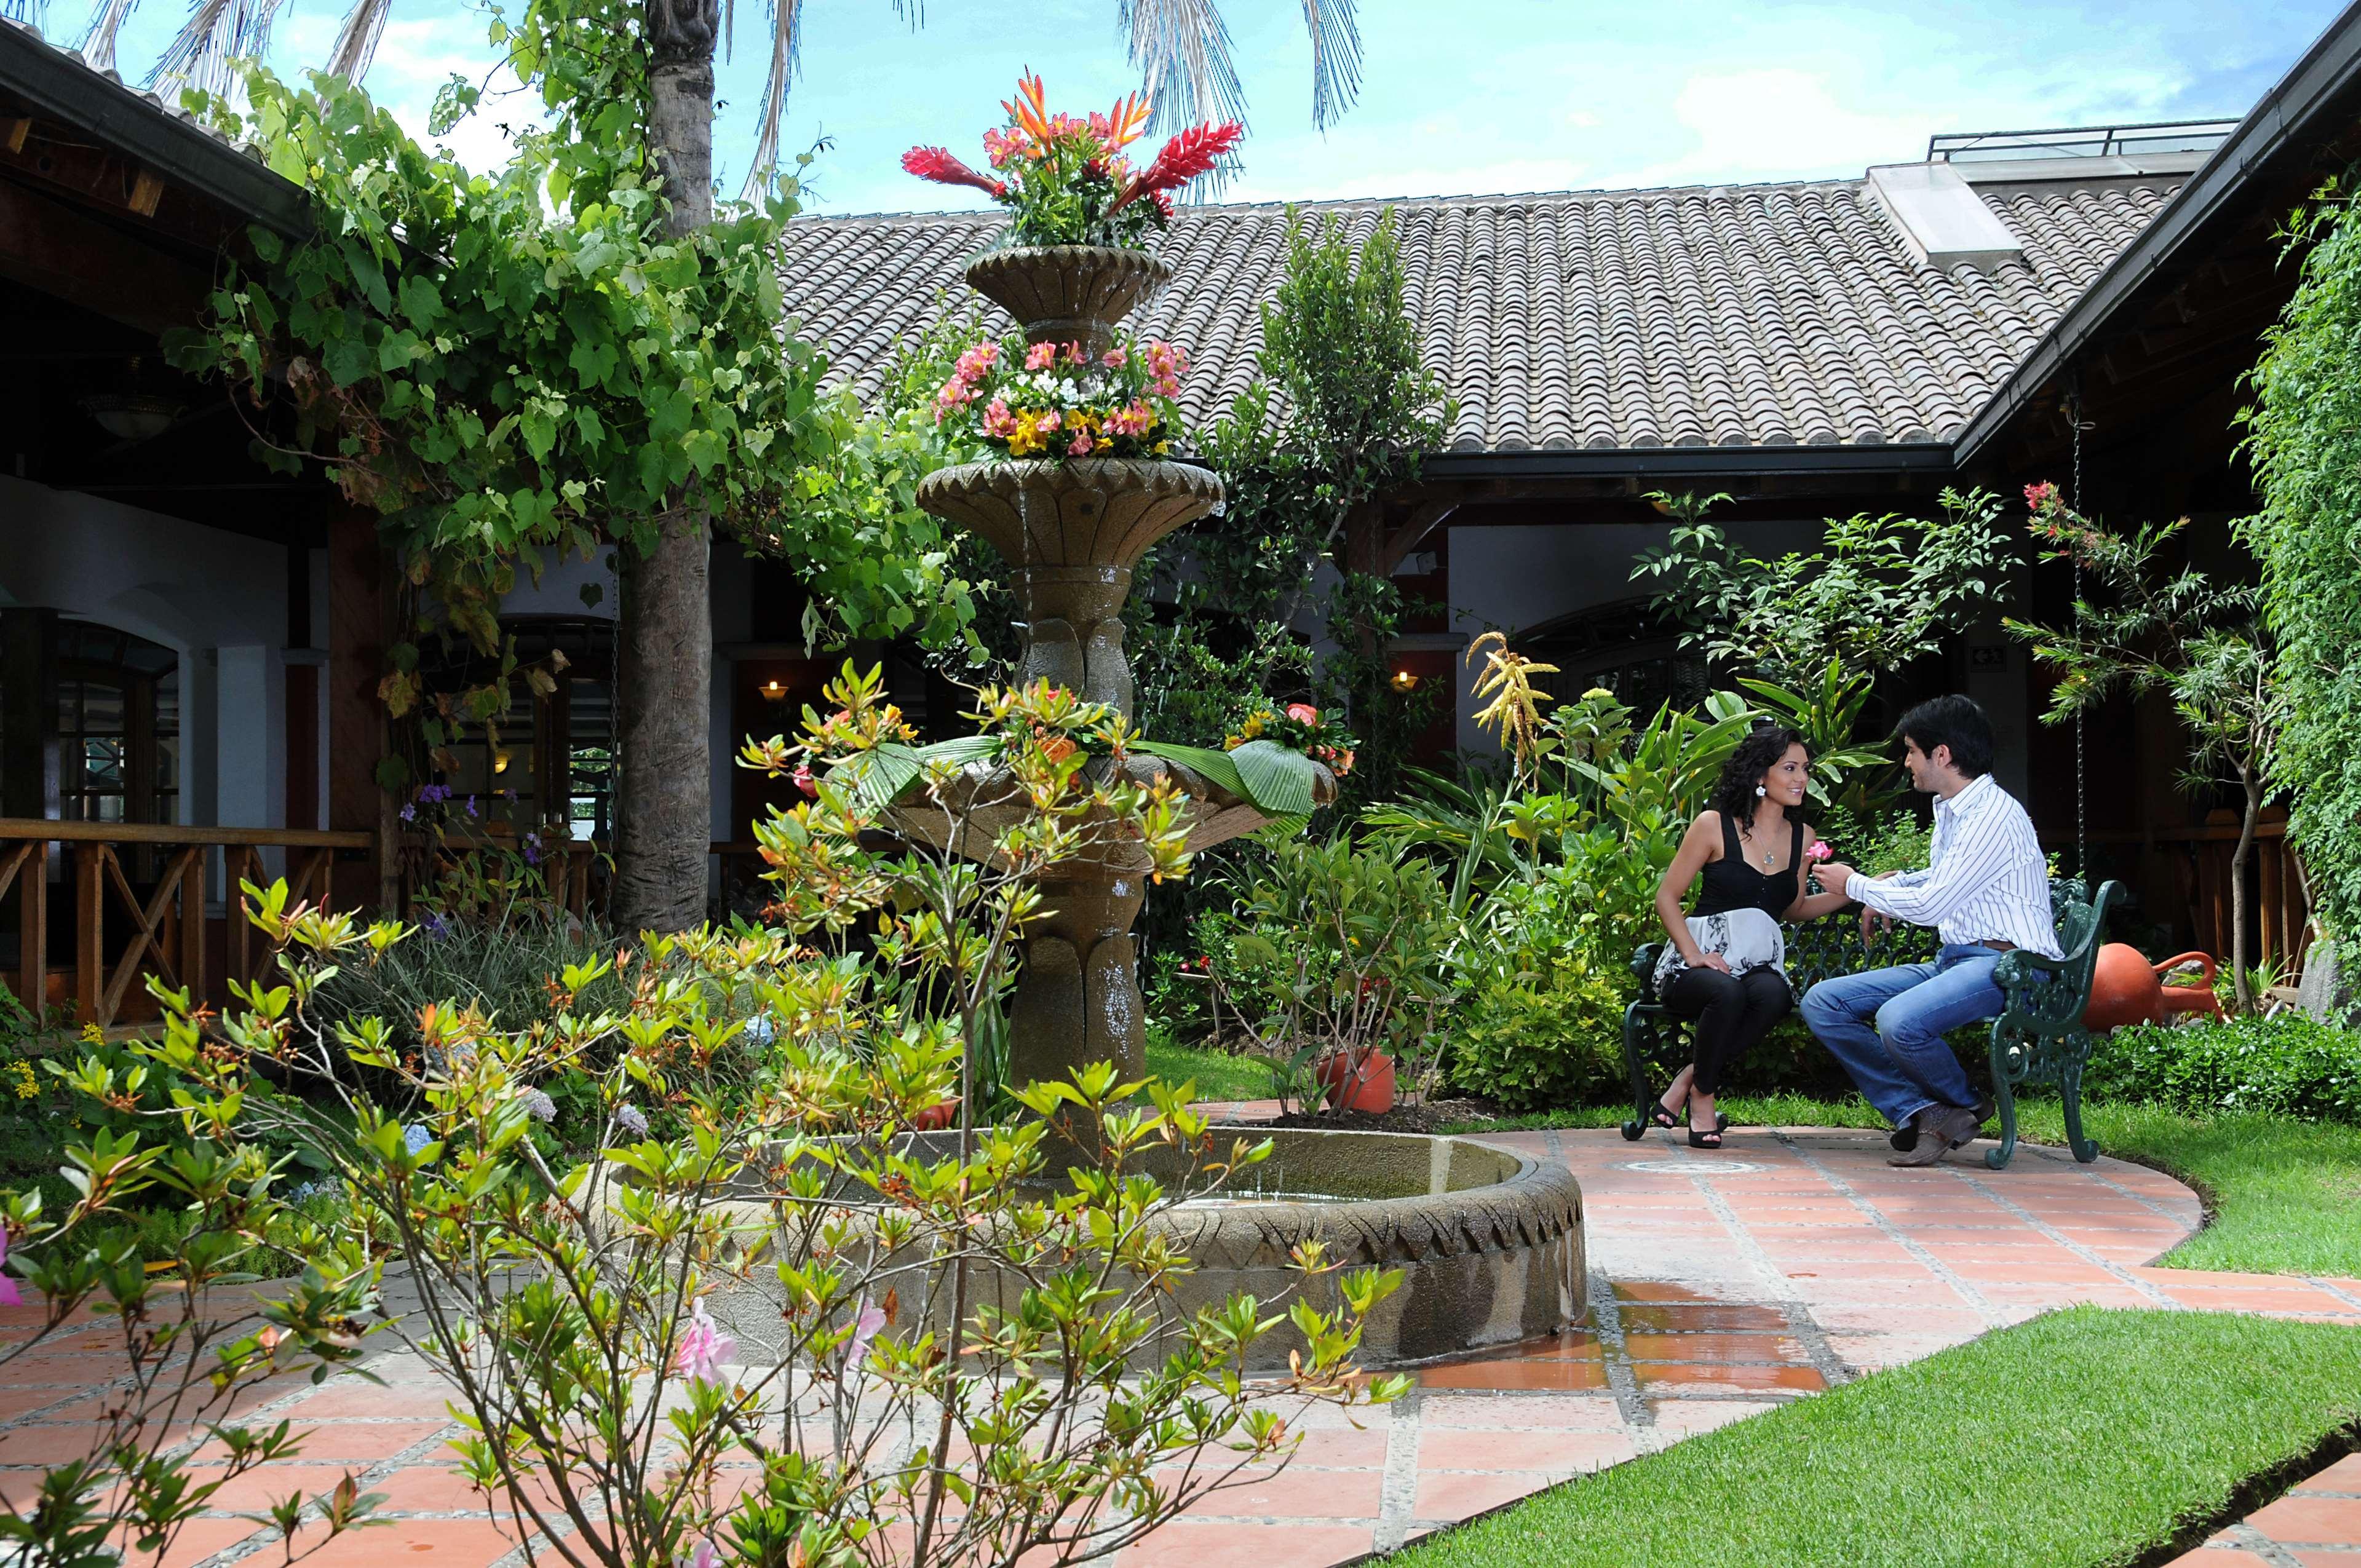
1054,399
1299,727
1069,181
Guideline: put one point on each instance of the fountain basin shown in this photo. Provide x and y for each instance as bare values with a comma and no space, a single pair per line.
1489,1242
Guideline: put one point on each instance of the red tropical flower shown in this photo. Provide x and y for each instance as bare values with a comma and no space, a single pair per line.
1184,157
937,164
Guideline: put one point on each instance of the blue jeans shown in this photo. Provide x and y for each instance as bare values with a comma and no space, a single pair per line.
1886,1027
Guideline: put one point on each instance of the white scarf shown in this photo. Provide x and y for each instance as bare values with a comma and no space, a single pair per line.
1745,939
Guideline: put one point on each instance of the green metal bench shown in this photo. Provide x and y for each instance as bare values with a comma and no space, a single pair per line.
2038,1037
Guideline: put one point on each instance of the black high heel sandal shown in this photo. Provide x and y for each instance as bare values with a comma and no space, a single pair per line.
1708,1140
1664,1116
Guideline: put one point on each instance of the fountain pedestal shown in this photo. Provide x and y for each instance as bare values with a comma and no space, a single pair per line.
1071,530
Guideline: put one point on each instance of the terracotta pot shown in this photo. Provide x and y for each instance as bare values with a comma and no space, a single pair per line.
936,1117
1369,1087
1067,293
2127,988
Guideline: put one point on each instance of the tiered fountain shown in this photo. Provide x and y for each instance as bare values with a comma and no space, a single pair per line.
1490,1241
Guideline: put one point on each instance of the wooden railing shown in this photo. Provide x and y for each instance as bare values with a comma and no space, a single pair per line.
2198,858
167,933
149,916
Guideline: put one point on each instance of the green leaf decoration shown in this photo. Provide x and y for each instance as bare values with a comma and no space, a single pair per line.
1277,779
879,778
1214,767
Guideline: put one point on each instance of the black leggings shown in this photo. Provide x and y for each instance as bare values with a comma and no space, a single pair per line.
1731,1014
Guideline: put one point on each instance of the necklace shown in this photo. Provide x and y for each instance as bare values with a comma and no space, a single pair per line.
1768,854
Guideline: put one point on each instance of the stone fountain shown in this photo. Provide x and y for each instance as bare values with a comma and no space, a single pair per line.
1490,1241
1072,530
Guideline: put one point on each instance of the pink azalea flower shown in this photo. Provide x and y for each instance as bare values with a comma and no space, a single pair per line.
9,1295
804,780
1040,356
865,1325
1302,713
702,1349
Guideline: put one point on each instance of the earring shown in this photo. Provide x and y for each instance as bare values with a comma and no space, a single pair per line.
1760,791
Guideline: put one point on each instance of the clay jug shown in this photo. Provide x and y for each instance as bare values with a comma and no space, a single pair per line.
1368,1087
2124,988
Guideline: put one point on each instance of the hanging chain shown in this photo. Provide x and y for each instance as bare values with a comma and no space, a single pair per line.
2082,782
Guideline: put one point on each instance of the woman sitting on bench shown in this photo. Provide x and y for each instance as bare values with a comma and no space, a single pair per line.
1725,967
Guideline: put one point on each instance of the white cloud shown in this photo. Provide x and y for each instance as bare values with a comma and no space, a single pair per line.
1777,122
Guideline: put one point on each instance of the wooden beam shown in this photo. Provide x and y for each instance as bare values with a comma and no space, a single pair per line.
64,164
48,245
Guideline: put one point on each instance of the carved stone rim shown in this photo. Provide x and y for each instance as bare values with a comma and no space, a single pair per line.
1005,475
1110,257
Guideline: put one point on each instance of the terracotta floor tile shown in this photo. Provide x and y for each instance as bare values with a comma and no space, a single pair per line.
201,1537
2325,1557
2255,1300
1714,1347
1686,1418
446,1543
258,1488
1548,1453
1699,1316
2319,1521
1731,1379
1293,1494
2344,1475
358,1396
1191,1544
1521,1412
1343,1448
349,1441
1568,1377
1447,1496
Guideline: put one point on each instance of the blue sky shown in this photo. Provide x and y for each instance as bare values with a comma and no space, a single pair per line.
1457,95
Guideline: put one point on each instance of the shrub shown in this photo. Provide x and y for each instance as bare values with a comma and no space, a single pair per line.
2288,1065
1546,983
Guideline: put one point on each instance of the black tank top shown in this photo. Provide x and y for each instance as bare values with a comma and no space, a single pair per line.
1730,883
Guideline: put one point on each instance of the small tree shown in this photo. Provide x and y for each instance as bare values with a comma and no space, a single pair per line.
2200,643
1879,592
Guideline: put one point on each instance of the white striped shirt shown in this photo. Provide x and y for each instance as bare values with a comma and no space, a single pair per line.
1988,879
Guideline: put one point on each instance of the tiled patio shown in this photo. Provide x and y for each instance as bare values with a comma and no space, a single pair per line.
1722,1284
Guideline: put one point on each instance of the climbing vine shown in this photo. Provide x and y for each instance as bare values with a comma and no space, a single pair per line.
510,367
2304,440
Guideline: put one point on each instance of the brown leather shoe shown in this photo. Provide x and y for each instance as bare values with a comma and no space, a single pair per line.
1941,1129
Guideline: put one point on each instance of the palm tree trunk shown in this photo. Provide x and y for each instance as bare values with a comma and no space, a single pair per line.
664,651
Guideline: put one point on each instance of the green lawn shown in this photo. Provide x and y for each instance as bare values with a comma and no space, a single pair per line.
2285,1196
2087,1437
1218,1074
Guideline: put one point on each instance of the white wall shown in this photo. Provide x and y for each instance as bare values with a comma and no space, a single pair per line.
217,598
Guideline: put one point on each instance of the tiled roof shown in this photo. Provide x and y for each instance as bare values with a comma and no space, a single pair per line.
1758,315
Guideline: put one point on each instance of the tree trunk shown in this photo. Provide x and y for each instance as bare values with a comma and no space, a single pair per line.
2238,985
665,646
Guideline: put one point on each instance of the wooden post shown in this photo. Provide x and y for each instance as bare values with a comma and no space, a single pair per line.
33,927
192,965
90,930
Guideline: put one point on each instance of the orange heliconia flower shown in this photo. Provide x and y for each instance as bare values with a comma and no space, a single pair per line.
1127,121
1030,111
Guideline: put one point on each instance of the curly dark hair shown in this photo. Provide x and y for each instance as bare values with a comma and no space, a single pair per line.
1734,794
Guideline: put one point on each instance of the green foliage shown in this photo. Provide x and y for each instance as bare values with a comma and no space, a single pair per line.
1335,949
1827,713
2180,635
2288,1065
1879,592
1545,985
516,367
2304,440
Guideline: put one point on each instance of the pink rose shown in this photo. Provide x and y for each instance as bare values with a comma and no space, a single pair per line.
1819,850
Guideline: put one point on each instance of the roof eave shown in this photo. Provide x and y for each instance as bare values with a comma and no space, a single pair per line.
1650,462
2325,82
63,88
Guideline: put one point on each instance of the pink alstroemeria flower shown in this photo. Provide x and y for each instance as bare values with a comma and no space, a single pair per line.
702,1349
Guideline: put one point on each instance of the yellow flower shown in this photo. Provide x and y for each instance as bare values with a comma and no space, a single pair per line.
1594,692
26,1086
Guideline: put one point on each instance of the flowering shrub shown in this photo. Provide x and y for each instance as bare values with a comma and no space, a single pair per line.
1052,399
1298,726
1069,182
761,1322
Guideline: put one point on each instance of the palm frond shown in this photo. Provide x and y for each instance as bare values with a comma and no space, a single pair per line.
216,33
35,12
1183,51
786,50
1335,59
98,40
357,41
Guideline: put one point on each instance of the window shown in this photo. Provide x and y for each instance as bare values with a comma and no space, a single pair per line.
119,727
